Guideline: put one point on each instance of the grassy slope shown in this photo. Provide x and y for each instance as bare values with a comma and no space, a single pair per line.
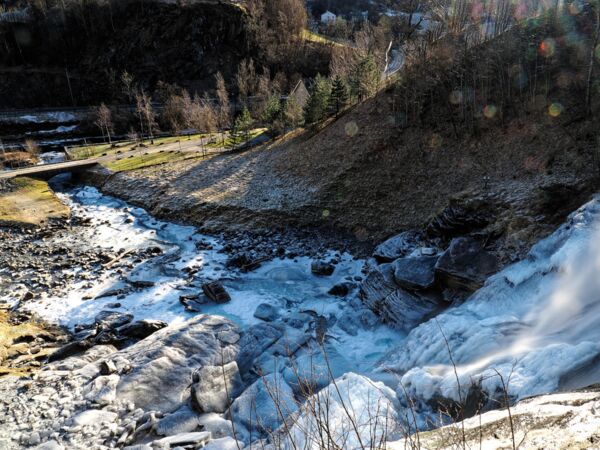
139,161
30,202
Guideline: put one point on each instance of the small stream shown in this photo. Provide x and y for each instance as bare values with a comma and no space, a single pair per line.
189,259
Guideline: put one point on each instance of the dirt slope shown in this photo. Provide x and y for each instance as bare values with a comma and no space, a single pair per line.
365,175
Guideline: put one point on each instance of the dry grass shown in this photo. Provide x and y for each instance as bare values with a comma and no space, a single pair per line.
30,202
16,357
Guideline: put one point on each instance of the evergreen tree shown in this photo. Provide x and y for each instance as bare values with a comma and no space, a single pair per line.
339,95
272,110
364,78
316,106
241,128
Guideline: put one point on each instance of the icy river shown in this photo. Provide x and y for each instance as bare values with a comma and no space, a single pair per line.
532,329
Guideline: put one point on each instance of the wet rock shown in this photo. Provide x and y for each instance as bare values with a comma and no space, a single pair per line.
266,312
141,284
457,220
341,289
297,319
415,273
107,367
214,387
466,265
394,305
405,311
193,302
70,349
216,292
112,319
243,262
141,329
396,247
322,268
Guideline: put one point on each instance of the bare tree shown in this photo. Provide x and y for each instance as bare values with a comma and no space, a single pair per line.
32,147
224,107
104,121
145,113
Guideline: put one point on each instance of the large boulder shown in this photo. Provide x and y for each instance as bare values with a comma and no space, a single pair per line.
314,369
163,363
254,342
396,247
396,306
466,265
354,412
415,273
264,405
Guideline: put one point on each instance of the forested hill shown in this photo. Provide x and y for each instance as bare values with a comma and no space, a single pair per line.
91,45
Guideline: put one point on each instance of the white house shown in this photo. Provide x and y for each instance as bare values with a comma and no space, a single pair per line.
328,17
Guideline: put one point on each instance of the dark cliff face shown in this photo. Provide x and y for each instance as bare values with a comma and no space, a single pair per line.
186,45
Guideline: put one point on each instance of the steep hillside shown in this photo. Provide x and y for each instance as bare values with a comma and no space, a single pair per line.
91,48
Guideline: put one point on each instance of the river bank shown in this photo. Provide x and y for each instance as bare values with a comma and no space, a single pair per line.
152,358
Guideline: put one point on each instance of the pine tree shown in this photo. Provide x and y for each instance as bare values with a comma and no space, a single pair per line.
241,128
364,78
339,95
316,106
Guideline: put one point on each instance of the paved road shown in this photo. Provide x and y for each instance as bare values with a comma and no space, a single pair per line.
185,146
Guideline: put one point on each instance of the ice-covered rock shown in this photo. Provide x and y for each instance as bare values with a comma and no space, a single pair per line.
265,404
266,312
466,265
534,324
415,273
225,443
352,412
214,387
184,420
396,247
315,368
93,417
254,342
196,439
103,390
112,319
552,422
164,362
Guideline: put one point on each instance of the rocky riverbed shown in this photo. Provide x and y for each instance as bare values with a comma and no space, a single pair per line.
168,338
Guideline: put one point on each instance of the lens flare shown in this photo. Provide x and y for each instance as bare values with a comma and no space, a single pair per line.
548,48
555,109
456,97
351,129
490,111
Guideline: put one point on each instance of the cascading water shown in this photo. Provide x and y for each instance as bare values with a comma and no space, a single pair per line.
535,324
